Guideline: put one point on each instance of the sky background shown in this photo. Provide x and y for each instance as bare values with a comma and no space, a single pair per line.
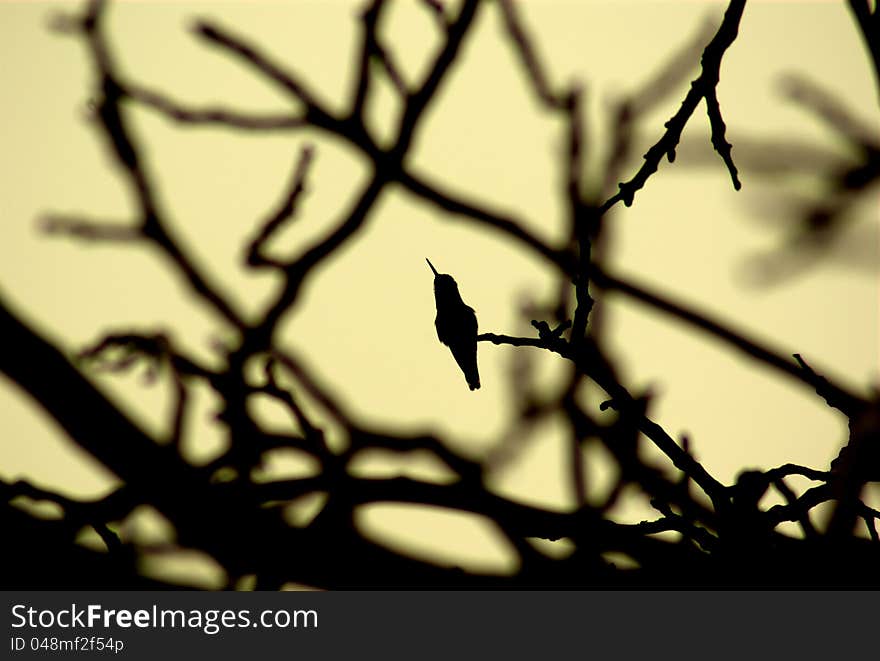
365,323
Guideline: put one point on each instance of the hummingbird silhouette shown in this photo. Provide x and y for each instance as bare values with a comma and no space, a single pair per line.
456,324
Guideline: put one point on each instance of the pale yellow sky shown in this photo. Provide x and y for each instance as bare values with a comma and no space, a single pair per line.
366,321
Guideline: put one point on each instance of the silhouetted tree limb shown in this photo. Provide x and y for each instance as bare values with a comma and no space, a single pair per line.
222,116
286,209
701,88
89,230
847,402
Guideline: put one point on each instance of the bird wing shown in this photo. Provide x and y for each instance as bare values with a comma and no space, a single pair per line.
466,357
465,353
453,324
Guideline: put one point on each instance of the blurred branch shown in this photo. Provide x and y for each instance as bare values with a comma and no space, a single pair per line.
803,518
590,362
285,210
272,388
235,119
133,346
77,514
514,229
369,48
528,56
848,402
816,222
831,110
109,112
88,230
362,438
438,11
315,113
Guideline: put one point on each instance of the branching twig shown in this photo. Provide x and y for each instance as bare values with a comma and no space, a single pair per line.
275,390
703,87
803,517
285,210
514,229
832,111
109,111
89,230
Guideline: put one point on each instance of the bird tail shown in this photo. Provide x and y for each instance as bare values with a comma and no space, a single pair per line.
473,380
467,362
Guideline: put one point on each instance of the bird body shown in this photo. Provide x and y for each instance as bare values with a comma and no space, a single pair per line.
456,324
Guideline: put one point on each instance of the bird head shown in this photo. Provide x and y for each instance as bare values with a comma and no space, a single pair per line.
444,285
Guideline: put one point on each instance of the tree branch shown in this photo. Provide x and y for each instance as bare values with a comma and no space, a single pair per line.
703,87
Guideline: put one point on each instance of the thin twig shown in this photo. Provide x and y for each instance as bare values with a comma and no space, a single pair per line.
222,116
286,209
82,228
109,111
526,52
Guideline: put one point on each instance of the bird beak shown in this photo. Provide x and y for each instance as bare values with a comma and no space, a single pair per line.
432,266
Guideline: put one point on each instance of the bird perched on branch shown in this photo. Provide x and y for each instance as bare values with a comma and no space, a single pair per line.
456,324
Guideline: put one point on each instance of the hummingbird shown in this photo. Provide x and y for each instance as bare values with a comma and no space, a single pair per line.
456,324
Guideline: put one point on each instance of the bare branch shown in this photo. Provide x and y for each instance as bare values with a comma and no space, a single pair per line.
584,220
513,341
826,390
133,346
222,116
79,513
831,110
793,469
386,59
109,111
851,402
803,517
179,415
297,271
719,141
523,46
369,18
272,388
418,102
89,230
365,439
438,11
430,192
285,210
219,37
703,87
